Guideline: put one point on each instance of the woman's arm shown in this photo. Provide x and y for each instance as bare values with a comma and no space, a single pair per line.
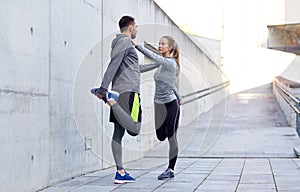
177,94
156,57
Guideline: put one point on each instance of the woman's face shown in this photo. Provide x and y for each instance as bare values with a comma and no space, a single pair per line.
163,46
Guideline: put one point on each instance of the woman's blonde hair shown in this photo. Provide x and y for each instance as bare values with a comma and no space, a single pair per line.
174,51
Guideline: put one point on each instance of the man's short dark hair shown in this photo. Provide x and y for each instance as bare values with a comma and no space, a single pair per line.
125,21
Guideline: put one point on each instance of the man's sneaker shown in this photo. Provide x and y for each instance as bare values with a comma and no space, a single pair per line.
126,178
168,173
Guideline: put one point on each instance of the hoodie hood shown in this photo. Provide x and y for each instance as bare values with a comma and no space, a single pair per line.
120,43
117,39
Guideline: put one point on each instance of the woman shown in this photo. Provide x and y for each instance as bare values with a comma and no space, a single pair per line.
167,97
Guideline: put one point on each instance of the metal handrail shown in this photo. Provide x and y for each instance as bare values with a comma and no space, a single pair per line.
289,102
289,98
288,94
221,86
206,89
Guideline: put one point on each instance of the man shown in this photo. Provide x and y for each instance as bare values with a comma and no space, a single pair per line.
124,73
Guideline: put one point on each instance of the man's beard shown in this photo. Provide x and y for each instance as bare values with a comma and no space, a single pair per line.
133,36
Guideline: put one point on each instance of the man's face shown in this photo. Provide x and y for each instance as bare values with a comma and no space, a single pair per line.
133,30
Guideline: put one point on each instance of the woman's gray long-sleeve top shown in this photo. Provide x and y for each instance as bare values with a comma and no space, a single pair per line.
165,76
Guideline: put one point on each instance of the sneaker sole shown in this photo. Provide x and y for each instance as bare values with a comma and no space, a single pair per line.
123,181
164,178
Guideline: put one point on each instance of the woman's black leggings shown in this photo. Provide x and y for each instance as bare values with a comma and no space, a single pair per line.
166,124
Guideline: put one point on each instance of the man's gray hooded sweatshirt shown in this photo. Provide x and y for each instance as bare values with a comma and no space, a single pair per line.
124,73
123,70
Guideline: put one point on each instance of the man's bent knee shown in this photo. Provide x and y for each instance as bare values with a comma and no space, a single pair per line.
133,133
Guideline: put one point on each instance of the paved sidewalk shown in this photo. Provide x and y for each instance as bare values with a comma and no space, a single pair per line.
243,144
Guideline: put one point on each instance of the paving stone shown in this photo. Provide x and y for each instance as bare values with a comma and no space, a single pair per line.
257,179
288,185
256,187
88,188
182,186
128,190
220,182
182,177
79,181
144,183
103,181
196,171
215,190
297,161
58,189
257,171
287,178
217,177
219,187
295,172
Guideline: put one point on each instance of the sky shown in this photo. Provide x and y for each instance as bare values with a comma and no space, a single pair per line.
201,17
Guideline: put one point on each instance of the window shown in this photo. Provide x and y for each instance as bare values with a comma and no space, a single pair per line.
285,38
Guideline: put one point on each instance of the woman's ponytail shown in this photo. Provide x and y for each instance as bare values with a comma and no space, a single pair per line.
174,51
176,56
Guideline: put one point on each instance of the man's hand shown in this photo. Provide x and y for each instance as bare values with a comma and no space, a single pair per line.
101,92
94,92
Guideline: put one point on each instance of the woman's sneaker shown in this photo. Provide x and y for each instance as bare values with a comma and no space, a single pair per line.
168,173
126,178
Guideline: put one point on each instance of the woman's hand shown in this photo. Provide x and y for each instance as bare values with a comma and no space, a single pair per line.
180,102
133,43
110,101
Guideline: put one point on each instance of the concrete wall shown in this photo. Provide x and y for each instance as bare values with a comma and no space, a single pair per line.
292,71
24,95
211,47
289,113
52,53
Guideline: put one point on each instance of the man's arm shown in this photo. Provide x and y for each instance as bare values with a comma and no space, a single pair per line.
148,67
110,72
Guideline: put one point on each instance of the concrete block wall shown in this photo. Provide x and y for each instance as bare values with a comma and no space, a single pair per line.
290,74
289,113
52,53
24,95
74,28
284,106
